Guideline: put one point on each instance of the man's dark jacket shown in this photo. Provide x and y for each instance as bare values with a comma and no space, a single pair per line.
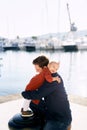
56,101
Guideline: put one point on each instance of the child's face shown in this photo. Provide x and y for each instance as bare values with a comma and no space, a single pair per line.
38,68
53,67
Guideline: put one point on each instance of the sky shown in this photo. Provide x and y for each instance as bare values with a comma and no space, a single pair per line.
26,18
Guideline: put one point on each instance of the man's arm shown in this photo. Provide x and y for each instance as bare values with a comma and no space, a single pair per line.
43,91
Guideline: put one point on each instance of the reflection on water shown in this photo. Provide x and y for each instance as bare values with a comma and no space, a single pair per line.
16,70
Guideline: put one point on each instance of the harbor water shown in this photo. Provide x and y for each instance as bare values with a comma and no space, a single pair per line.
16,69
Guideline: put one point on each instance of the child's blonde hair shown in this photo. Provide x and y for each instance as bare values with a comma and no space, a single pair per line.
54,62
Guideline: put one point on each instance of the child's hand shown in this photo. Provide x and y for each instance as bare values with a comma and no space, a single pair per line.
58,80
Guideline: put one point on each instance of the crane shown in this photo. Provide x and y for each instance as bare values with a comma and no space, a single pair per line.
72,25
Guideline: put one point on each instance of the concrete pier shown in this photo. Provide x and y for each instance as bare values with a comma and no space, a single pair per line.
10,108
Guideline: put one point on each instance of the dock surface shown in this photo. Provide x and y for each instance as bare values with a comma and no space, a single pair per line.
10,108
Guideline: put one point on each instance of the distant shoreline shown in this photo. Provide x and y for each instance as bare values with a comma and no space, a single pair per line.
11,97
72,98
78,99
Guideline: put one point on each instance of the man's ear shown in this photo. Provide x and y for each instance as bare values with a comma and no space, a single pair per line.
48,65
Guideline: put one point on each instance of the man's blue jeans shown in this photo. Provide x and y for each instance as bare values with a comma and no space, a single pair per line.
55,125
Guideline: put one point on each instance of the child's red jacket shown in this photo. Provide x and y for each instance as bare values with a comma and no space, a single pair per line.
38,80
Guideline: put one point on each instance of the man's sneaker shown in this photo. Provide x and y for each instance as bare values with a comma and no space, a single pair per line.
27,113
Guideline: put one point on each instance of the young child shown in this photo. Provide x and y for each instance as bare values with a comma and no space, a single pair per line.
37,81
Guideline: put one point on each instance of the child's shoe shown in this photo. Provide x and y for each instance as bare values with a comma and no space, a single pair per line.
27,113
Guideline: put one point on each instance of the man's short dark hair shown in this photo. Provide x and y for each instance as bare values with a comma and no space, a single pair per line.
41,61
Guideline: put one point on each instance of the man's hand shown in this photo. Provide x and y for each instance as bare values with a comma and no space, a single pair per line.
57,79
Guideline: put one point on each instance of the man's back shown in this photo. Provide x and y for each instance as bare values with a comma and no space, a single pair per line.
57,102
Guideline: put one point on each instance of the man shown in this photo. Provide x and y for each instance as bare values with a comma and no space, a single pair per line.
56,109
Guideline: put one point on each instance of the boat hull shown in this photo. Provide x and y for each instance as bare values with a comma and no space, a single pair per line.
30,48
11,48
70,48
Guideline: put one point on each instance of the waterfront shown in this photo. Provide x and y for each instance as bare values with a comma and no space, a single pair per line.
16,70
